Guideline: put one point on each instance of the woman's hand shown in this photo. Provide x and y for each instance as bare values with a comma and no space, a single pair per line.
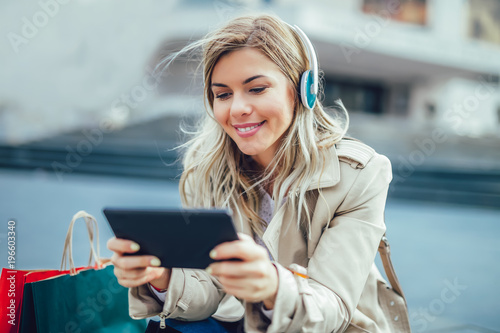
133,271
254,279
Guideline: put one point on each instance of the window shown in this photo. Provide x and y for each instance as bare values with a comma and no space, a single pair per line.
356,96
410,11
430,110
484,20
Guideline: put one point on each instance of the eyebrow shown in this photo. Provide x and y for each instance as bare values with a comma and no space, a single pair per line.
250,79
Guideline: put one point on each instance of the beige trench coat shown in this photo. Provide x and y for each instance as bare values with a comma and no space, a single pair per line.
341,293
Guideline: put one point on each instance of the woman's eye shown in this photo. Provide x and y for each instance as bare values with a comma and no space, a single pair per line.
258,90
222,96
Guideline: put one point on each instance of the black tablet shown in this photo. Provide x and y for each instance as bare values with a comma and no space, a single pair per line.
179,238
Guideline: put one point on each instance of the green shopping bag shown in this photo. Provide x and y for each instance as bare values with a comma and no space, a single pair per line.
87,300
91,301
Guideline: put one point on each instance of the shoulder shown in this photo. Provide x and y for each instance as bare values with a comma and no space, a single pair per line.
354,152
364,175
361,162
358,155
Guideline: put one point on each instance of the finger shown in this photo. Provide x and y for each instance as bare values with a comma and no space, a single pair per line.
146,275
252,269
242,249
122,245
247,289
129,274
232,283
250,284
244,236
134,262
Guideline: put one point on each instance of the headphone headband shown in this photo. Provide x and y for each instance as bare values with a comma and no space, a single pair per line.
313,60
309,79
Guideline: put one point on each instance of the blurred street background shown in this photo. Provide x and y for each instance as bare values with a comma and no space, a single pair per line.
86,123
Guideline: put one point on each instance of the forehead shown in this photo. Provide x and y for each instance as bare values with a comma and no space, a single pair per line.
243,63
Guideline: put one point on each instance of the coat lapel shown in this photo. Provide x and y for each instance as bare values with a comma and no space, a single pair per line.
329,174
282,235
241,224
273,230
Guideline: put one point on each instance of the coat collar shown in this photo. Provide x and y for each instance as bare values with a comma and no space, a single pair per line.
328,175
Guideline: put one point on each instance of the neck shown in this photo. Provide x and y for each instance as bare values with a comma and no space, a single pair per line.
263,160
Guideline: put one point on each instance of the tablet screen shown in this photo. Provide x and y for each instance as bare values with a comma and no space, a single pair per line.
178,237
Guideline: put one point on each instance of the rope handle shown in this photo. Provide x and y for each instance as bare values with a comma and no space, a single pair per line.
92,228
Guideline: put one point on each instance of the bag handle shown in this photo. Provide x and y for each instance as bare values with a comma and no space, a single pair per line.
385,254
91,223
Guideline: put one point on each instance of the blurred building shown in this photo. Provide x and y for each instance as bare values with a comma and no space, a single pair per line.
435,62
89,64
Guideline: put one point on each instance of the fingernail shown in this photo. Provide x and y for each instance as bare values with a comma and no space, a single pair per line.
213,254
208,270
134,247
155,262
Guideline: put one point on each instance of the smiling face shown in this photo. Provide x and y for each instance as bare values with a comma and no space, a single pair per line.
253,102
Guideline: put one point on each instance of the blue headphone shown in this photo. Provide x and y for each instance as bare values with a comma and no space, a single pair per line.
309,80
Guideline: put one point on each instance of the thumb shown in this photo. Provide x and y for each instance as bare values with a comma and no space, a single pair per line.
244,236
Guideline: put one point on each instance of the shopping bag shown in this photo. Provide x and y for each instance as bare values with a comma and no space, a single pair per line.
27,306
12,283
85,300
90,301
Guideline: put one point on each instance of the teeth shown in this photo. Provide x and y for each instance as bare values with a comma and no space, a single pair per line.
246,129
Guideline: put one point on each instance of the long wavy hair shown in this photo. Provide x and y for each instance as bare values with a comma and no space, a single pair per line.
216,173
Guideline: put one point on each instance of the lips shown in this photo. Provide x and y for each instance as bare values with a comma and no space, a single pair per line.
247,127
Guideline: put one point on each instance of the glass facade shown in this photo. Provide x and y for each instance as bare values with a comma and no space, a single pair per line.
357,96
484,20
409,11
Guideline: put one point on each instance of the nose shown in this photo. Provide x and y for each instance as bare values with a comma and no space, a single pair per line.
240,106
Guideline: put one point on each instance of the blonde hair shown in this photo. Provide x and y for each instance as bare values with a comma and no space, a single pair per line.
218,173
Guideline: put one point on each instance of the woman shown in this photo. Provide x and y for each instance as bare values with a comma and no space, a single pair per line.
308,204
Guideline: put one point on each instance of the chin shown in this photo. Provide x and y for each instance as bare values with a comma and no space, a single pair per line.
250,151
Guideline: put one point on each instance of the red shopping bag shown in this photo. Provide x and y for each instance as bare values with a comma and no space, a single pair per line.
12,281
12,285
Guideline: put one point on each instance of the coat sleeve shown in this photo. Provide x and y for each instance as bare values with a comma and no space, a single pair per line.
192,294
341,262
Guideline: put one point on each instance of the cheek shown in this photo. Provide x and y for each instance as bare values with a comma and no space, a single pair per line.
290,109
220,115
287,112
286,121
287,106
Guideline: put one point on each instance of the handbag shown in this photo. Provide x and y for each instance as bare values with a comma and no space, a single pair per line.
85,300
391,298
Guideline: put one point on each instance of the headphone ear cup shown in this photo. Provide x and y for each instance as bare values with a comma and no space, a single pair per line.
307,96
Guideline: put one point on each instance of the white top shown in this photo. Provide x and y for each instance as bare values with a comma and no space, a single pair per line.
266,213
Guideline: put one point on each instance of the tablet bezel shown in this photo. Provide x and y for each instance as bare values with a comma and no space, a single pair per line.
180,238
